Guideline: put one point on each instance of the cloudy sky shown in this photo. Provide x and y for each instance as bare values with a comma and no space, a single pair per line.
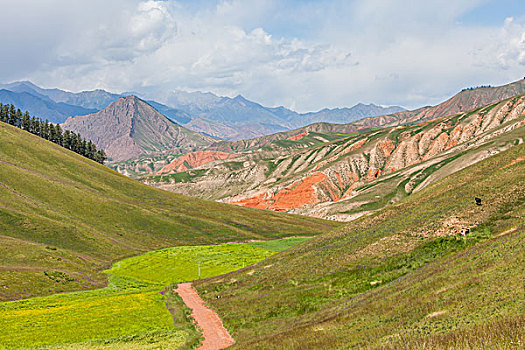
301,54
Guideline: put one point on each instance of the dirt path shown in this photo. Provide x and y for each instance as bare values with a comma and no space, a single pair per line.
215,335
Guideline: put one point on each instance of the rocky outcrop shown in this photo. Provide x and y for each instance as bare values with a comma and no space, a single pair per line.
298,136
308,190
194,160
212,128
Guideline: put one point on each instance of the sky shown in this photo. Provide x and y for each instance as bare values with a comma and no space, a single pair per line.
305,55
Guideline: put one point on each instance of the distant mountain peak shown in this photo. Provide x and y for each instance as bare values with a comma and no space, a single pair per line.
240,97
25,83
129,127
132,98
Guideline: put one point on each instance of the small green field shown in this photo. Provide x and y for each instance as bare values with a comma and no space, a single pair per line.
93,315
131,312
180,264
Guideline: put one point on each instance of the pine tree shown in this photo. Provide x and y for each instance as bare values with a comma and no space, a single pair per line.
45,130
12,115
52,133
66,139
101,156
18,118
26,122
59,135
78,143
3,113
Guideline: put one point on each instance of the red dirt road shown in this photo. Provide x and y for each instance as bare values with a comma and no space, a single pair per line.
215,335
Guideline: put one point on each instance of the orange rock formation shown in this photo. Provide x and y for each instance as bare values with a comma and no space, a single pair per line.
297,195
298,136
194,160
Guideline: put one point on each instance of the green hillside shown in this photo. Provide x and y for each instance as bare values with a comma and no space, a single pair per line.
64,218
402,278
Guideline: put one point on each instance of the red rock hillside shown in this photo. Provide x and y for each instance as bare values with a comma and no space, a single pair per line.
193,160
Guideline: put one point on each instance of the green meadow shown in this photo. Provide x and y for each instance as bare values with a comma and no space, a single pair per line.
132,312
181,264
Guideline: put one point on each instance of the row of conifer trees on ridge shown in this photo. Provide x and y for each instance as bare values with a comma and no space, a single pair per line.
52,132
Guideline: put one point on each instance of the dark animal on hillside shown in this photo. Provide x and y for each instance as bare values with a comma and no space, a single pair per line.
478,201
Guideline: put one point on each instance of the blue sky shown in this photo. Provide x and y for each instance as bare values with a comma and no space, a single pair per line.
305,55
494,12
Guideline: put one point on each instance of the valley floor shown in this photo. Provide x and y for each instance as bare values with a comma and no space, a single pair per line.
138,310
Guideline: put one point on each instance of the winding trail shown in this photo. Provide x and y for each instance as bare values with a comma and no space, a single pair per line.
215,335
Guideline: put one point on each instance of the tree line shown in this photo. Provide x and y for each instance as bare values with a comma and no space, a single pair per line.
476,87
52,132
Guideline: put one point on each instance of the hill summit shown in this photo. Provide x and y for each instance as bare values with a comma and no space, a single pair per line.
130,127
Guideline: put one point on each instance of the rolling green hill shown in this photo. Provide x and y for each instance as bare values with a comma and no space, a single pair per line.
435,271
64,218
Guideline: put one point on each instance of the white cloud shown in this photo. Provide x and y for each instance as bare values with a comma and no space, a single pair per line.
512,39
307,54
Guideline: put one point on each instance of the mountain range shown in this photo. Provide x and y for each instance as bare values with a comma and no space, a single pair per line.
463,101
335,171
63,214
239,118
344,171
220,117
42,106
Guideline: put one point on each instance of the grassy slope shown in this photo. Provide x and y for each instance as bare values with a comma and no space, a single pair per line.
64,216
131,312
391,188
110,315
400,278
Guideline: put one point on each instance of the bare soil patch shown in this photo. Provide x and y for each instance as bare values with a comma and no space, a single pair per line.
215,335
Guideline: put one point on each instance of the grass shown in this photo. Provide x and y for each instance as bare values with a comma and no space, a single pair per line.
311,139
131,311
180,264
401,278
64,219
79,317
185,176
279,245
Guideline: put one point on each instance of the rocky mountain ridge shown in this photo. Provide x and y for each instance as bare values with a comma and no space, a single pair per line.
94,99
41,106
217,116
238,118
463,101
362,172
130,127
